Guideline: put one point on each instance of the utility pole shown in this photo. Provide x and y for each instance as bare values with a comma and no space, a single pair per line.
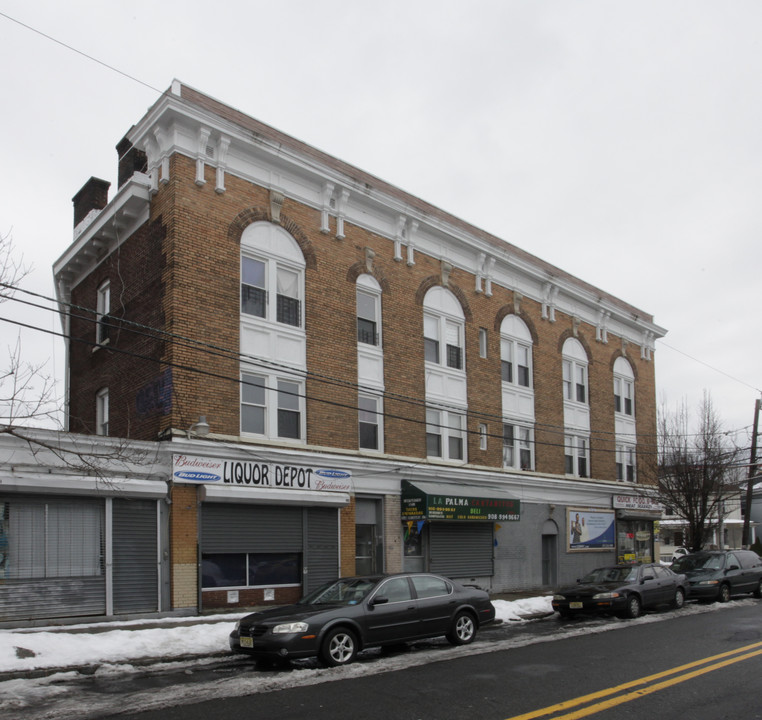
746,537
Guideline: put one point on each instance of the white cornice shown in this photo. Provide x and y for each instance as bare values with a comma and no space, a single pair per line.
266,157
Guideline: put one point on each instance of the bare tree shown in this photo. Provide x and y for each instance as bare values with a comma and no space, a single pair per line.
698,470
26,390
28,399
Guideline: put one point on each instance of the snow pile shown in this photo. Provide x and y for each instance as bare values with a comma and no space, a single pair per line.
79,645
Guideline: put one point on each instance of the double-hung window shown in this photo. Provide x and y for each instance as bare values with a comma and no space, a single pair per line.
259,276
515,362
575,381
271,407
518,447
369,420
445,434
576,452
443,341
367,317
101,412
625,463
102,314
624,388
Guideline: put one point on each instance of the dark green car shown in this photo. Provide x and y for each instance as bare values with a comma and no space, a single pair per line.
721,574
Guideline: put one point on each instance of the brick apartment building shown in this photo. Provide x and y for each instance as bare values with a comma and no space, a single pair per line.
340,378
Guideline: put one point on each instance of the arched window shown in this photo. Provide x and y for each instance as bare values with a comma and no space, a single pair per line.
518,393
368,310
272,275
272,329
516,352
575,372
443,329
624,420
446,389
624,388
576,409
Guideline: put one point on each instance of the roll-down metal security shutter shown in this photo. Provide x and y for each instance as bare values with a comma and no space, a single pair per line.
461,549
53,558
322,547
250,528
135,554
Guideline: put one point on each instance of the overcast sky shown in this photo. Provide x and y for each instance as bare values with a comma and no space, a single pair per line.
620,141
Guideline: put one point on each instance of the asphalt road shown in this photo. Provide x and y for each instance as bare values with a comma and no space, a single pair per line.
698,662
701,666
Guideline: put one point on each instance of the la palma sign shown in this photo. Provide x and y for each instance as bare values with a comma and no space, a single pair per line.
194,470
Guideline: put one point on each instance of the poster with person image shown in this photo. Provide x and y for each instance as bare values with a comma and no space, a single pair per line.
590,529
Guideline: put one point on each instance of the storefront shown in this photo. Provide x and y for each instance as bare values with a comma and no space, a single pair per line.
267,532
635,519
450,528
66,555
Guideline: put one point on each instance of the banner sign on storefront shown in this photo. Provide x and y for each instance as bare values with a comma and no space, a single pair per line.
636,502
590,529
432,502
192,470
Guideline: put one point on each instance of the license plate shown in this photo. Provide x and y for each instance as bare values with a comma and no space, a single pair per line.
575,605
246,642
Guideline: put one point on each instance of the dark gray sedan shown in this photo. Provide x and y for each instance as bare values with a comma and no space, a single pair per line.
622,590
337,621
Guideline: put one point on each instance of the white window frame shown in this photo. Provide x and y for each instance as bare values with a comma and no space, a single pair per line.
102,310
576,385
101,412
280,395
577,453
450,427
370,314
483,434
274,270
626,466
371,414
518,446
483,342
624,388
516,362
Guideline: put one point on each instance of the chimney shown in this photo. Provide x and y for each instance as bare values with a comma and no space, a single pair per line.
92,196
131,160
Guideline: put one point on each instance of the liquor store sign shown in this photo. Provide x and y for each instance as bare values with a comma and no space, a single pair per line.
430,503
258,475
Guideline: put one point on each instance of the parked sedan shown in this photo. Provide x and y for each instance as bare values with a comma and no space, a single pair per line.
622,590
337,621
720,574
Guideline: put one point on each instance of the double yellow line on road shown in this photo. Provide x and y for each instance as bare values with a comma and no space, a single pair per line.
645,686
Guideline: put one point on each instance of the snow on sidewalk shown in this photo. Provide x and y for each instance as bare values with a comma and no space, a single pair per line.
93,644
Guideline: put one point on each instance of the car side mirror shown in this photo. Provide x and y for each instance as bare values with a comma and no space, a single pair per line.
733,567
380,600
646,577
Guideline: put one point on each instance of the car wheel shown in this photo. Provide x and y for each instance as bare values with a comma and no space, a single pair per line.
339,647
633,607
758,590
724,594
679,600
463,629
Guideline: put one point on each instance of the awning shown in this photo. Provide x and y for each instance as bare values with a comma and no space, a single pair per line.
442,501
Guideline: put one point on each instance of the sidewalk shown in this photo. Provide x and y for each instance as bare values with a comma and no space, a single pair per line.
87,647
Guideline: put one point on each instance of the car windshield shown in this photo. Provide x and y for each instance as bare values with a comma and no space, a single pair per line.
611,574
699,561
348,591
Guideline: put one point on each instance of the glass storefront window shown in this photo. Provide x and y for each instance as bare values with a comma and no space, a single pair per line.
635,541
228,570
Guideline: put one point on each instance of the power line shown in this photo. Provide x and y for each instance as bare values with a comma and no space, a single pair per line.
80,52
134,328
711,367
